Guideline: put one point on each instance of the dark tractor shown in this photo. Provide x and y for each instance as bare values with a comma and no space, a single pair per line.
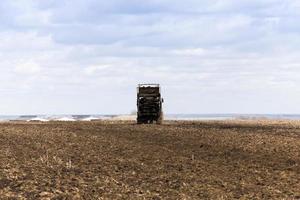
149,104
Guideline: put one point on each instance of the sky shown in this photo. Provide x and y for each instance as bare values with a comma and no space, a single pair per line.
210,56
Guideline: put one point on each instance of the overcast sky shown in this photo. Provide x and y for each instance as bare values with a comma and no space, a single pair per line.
210,56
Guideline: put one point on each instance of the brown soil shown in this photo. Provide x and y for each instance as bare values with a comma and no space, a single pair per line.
177,160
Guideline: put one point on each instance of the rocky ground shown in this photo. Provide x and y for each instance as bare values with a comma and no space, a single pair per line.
177,160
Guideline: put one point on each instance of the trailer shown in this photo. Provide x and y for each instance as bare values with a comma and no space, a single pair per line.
149,104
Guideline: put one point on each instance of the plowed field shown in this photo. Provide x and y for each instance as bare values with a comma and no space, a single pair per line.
176,160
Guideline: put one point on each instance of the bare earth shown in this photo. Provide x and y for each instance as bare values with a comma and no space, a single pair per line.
177,160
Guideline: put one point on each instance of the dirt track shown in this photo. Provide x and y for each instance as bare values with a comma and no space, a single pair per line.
178,160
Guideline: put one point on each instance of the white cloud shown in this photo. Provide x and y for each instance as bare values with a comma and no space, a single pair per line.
209,56
190,52
94,69
27,67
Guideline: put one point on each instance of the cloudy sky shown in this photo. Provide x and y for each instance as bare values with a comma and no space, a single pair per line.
210,56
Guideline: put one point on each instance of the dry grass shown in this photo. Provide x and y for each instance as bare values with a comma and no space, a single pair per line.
177,160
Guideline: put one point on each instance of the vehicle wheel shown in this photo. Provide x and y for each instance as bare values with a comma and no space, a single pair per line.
160,119
139,121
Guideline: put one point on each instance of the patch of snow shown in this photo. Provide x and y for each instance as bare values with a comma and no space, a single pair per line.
38,119
90,119
65,119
